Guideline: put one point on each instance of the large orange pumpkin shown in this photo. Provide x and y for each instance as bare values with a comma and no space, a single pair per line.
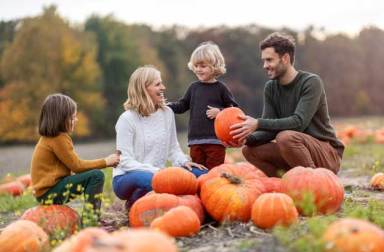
353,235
23,236
224,120
321,184
174,180
272,209
14,188
272,184
377,181
54,218
242,169
179,221
230,196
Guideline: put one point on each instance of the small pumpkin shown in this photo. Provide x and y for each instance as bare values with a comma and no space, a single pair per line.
193,202
177,222
271,209
230,196
224,120
353,235
320,185
25,179
14,188
174,180
377,181
23,236
53,218
272,184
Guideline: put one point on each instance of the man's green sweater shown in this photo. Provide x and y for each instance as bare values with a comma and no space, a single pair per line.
301,106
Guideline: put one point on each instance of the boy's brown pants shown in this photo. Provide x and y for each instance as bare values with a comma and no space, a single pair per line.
209,155
292,149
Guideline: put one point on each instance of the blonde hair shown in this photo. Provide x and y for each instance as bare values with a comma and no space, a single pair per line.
138,97
208,52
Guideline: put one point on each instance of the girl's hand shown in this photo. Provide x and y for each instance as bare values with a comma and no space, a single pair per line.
212,112
113,160
189,166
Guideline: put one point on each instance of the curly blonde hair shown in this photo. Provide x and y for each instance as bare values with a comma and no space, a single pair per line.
209,53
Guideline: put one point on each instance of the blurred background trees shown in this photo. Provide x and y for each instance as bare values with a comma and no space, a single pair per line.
92,63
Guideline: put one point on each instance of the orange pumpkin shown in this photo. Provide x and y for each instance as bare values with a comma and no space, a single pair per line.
53,218
321,184
25,179
193,202
242,169
271,209
377,181
179,221
230,196
154,205
379,136
23,236
14,188
353,235
174,180
82,241
224,120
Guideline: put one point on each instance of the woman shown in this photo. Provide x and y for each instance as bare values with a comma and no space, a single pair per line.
146,137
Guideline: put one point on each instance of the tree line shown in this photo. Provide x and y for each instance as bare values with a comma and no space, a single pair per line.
92,63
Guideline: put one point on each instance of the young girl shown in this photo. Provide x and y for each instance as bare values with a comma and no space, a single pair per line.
146,137
204,98
57,172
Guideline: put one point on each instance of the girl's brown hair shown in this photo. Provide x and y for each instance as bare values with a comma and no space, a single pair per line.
56,114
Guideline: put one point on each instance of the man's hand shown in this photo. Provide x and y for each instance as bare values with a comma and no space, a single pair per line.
212,112
241,131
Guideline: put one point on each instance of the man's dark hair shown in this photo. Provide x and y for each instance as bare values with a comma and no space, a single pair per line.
282,43
55,116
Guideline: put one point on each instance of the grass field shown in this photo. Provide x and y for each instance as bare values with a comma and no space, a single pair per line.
360,162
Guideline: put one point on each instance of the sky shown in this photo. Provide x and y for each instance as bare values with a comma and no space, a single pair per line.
346,16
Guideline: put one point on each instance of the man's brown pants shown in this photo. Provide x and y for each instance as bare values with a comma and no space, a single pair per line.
292,149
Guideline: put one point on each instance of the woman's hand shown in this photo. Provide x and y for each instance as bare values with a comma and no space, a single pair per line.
212,112
113,159
189,166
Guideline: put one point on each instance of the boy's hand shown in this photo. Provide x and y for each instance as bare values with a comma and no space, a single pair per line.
212,112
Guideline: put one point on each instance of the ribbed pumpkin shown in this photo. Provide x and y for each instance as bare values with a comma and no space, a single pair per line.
224,120
53,218
82,241
377,181
353,235
242,169
177,222
14,188
174,180
320,183
272,209
230,196
23,236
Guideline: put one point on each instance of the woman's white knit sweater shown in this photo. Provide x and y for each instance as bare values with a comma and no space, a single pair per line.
147,143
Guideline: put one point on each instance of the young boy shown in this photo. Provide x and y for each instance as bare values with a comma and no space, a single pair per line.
205,98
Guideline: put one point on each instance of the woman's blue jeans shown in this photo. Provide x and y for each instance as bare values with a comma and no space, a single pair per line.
135,184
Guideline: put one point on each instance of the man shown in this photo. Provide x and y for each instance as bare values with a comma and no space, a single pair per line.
295,128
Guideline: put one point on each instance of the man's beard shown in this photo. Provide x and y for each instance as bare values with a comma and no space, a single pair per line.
280,71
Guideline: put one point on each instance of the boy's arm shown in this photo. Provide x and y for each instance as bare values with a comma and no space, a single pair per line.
181,105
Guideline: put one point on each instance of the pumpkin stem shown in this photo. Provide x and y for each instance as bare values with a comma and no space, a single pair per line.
233,179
